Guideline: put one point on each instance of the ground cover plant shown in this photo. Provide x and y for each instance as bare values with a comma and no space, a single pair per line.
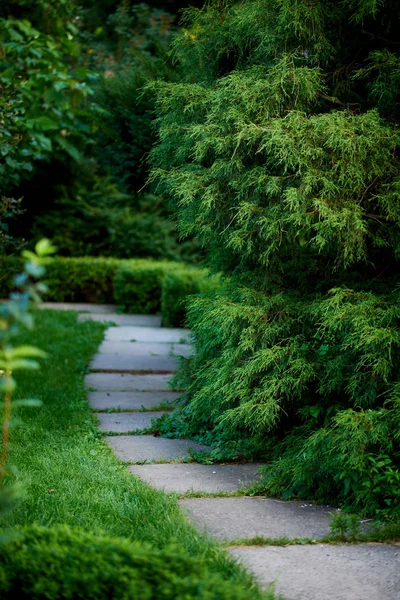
281,152
69,477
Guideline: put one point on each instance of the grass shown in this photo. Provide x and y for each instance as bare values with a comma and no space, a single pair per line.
69,475
384,535
197,494
265,541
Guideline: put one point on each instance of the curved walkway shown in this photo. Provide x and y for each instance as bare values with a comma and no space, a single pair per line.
128,387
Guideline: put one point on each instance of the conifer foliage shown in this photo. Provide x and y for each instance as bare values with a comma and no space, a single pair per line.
280,148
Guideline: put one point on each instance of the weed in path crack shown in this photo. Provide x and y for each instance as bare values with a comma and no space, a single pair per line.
266,541
197,494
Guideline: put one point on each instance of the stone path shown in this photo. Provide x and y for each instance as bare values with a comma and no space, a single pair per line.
128,387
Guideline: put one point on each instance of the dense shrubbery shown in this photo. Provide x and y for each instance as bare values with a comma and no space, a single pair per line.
77,126
93,217
42,101
281,151
130,49
59,562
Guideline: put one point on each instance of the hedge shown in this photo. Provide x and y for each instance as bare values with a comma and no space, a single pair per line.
177,286
141,286
138,287
81,279
57,563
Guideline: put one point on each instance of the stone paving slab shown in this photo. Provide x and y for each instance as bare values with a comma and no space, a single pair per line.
131,400
247,517
141,448
325,572
144,348
125,382
181,478
80,307
130,320
127,422
120,362
148,334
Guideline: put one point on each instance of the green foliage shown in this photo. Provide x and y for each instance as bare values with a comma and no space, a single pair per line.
93,217
320,374
345,527
72,96
14,316
280,151
177,286
50,16
382,76
10,267
42,99
144,230
82,215
138,287
98,12
148,287
60,562
81,279
312,173
130,51
10,209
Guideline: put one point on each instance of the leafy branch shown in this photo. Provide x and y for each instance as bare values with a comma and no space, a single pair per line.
15,315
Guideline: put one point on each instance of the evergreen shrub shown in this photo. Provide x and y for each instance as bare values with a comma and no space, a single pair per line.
88,215
145,233
280,150
59,563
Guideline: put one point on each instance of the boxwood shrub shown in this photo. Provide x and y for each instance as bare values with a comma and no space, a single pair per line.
58,563
138,285
81,279
141,286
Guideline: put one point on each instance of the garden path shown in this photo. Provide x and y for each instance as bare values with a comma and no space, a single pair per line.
128,386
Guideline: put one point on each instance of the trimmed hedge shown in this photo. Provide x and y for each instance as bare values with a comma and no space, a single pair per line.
62,563
177,286
141,286
138,288
81,279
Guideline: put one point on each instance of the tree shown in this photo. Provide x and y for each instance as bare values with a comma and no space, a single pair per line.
42,99
77,125
280,148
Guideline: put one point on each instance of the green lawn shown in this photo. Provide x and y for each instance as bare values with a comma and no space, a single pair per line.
67,472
